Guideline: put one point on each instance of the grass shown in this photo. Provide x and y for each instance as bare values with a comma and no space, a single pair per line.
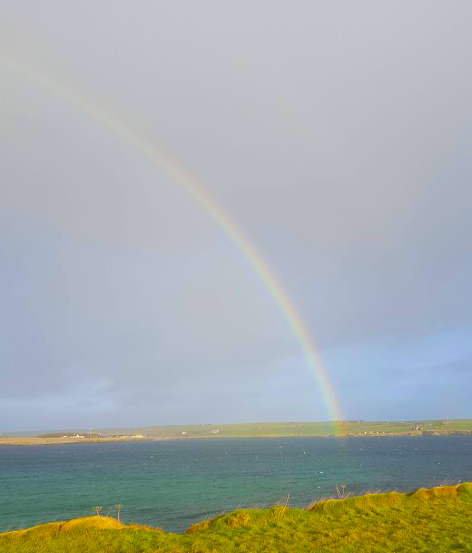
289,429
436,520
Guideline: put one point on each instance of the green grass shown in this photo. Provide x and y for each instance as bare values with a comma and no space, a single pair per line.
436,520
288,429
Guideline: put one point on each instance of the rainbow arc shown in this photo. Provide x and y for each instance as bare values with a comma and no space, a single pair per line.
175,170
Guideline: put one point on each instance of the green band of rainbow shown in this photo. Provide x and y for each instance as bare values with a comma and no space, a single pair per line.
177,173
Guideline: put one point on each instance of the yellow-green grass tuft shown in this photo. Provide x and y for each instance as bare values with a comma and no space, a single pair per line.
82,523
199,526
87,523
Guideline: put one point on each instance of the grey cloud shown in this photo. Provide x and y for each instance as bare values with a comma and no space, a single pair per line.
338,138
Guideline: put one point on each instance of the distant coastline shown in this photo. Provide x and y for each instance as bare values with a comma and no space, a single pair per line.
34,440
339,429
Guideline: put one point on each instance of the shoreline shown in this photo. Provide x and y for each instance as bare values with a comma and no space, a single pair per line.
33,440
36,441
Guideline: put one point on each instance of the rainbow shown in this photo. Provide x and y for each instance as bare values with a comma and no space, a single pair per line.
177,173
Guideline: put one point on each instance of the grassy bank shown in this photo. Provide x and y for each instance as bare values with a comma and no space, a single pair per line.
435,520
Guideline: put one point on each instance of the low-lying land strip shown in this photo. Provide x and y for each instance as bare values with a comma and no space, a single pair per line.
436,520
37,440
308,429
257,430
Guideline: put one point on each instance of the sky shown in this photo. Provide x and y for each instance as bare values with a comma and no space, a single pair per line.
336,135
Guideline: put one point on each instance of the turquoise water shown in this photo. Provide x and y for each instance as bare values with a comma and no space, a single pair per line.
173,484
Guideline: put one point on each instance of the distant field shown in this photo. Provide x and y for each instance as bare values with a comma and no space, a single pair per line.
262,430
286,429
438,520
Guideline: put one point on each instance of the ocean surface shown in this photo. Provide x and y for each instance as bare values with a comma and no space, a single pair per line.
173,484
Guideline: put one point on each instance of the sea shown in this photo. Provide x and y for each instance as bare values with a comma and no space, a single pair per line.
173,484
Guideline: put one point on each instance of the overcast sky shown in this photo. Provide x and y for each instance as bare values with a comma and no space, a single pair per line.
338,137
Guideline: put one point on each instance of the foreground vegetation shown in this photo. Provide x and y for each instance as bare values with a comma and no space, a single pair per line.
435,520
